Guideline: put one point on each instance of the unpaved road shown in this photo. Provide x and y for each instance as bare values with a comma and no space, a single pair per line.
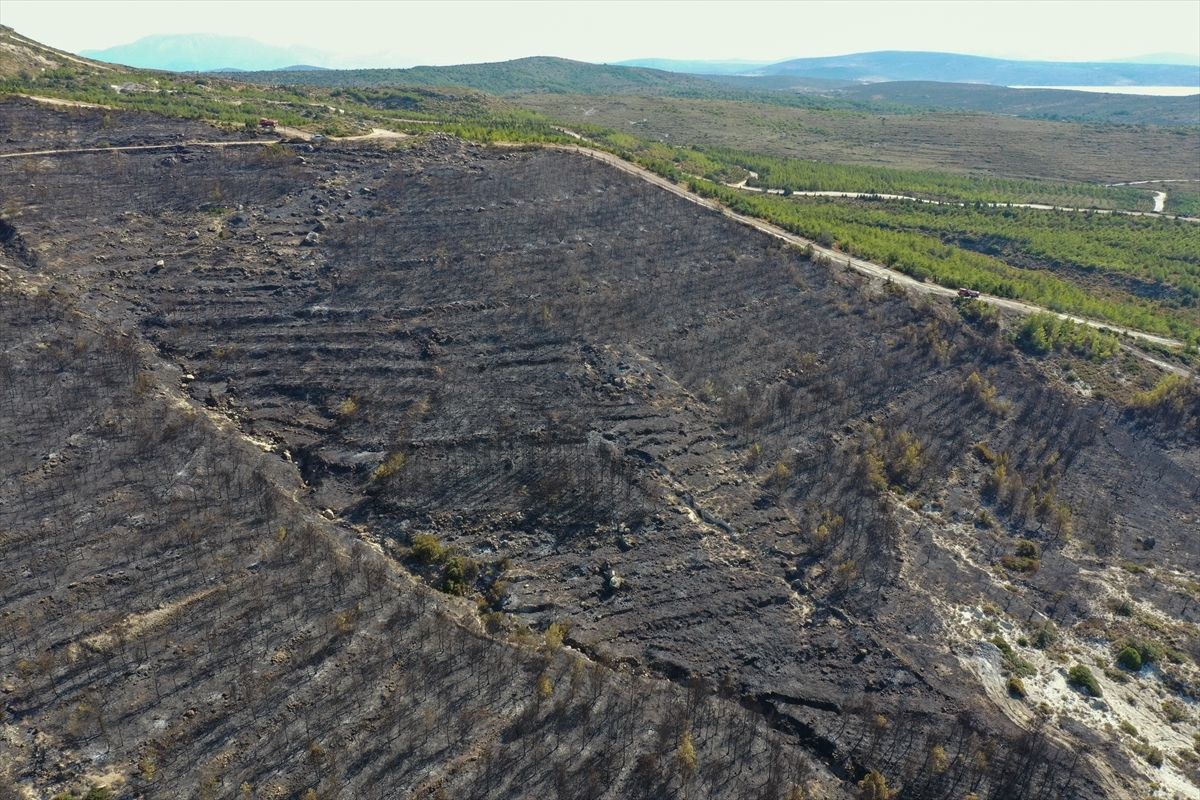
167,146
836,256
865,267
55,101
376,133
1160,199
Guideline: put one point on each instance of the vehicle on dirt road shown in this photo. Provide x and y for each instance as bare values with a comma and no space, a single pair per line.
267,124
964,292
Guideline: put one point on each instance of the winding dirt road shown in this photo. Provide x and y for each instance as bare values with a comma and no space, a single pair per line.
866,267
376,133
835,256
170,146
1160,199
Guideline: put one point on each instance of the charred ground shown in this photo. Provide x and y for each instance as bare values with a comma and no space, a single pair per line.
570,398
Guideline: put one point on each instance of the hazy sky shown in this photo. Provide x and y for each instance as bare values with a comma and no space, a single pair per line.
408,33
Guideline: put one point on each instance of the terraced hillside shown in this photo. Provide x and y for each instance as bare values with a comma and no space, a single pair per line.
278,383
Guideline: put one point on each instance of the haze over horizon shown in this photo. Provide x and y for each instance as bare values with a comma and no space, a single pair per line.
368,34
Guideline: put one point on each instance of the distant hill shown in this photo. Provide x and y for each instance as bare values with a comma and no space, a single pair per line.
790,83
19,54
1039,103
203,52
527,77
697,67
520,76
1161,58
896,65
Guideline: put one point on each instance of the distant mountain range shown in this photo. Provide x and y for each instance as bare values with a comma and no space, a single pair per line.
213,52
1157,69
203,52
897,65
538,74
698,66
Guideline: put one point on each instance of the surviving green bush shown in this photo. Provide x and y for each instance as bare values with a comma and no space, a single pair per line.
1025,559
459,574
427,549
1082,678
1174,402
1043,333
984,394
924,242
1012,660
1130,659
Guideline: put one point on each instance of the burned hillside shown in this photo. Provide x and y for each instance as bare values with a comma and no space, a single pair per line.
794,501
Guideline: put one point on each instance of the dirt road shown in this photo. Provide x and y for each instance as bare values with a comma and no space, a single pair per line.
1160,199
376,133
865,267
169,146
835,256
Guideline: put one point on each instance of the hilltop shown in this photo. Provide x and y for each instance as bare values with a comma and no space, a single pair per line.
899,65
1033,103
205,52
541,73
22,56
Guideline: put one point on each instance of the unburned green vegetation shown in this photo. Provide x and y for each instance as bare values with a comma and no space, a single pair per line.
906,239
946,142
1040,334
1185,202
795,175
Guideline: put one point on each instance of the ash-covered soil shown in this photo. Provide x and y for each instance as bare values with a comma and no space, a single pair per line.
30,125
716,462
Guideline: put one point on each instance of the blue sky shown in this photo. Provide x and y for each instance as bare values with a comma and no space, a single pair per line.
379,33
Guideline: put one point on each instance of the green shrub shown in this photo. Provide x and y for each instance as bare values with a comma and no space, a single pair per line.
1082,678
1174,711
779,476
1130,659
1016,687
348,407
1151,652
1012,660
984,394
984,453
1116,675
427,549
906,460
1045,636
1042,333
1021,564
1152,754
458,575
1174,402
978,313
390,466
874,786
555,635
